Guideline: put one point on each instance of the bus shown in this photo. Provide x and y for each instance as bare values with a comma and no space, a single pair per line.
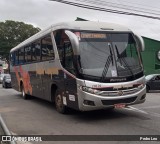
81,65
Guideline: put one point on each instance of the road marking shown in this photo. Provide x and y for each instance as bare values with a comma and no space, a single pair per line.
136,109
150,107
155,114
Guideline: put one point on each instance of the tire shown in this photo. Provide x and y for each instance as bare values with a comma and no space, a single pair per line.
147,88
60,107
24,95
110,109
5,85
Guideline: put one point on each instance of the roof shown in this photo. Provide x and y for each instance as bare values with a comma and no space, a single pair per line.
78,25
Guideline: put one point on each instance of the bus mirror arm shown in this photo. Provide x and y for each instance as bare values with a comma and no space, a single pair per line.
140,42
74,41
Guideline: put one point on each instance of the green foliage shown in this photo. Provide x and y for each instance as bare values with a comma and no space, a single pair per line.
12,33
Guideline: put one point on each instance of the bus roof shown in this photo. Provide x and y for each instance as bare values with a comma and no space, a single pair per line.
77,25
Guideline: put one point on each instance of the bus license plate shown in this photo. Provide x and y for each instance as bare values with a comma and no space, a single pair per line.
119,105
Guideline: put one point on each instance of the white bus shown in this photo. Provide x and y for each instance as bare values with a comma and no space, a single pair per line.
81,65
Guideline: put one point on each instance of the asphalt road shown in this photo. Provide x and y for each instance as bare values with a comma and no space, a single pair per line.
39,117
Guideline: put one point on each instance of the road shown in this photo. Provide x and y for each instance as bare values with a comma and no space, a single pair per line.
39,117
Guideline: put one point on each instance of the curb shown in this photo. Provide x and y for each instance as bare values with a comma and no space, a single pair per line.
5,130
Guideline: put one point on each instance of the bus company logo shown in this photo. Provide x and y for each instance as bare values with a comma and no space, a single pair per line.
120,93
6,138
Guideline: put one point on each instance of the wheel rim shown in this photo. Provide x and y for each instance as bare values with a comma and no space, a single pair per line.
23,93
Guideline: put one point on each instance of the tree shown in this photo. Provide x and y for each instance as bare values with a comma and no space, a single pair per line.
12,33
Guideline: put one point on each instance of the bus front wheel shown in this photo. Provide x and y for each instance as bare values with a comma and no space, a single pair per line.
60,107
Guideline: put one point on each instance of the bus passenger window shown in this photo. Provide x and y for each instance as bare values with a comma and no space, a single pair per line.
21,56
16,57
36,51
47,49
12,58
28,54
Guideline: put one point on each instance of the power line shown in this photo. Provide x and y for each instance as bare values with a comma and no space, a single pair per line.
144,4
105,9
121,6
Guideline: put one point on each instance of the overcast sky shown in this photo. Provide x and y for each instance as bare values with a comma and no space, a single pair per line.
43,13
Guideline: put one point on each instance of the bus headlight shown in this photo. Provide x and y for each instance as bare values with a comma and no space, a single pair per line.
89,90
141,86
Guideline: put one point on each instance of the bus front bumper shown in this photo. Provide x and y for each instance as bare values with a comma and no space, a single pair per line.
89,102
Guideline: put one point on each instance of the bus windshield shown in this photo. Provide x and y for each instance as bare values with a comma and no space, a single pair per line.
108,54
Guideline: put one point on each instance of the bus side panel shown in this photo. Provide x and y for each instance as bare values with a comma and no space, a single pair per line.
36,83
70,90
14,73
66,84
27,75
36,79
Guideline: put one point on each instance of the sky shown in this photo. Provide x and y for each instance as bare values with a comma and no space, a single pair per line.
43,13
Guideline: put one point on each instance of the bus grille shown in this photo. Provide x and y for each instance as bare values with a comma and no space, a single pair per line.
116,93
112,102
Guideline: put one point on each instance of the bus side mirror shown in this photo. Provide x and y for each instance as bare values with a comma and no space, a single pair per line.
74,41
140,42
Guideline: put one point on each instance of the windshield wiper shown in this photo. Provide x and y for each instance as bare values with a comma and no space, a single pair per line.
121,58
118,55
109,60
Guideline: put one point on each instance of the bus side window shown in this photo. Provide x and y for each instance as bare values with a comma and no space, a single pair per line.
68,62
57,36
36,51
47,49
65,50
16,57
27,53
12,58
21,56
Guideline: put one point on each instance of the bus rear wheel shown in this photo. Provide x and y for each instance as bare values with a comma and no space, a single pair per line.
60,107
24,95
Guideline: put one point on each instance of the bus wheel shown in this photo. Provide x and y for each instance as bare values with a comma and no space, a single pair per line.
60,107
24,95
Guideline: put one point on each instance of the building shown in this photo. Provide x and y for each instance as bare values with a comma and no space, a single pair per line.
151,56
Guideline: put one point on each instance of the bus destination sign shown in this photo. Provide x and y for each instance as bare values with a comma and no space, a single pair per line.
93,35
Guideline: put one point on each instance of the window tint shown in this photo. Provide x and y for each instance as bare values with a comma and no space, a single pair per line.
36,51
65,50
28,53
69,57
21,55
59,43
47,48
16,57
157,78
12,58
